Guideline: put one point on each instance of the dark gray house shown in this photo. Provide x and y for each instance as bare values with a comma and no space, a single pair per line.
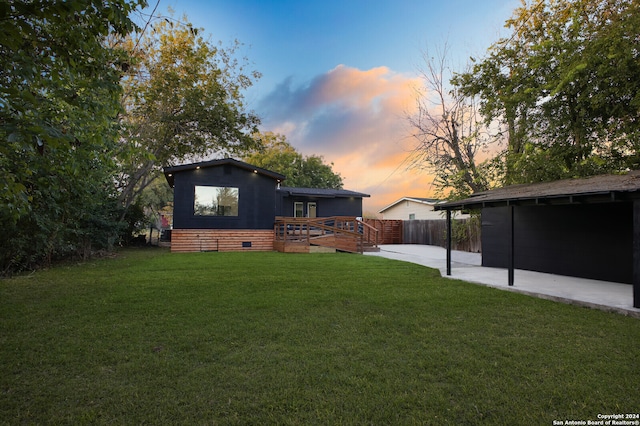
222,194
588,228
314,202
225,205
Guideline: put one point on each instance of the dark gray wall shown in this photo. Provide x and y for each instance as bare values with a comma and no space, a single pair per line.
588,241
256,204
325,207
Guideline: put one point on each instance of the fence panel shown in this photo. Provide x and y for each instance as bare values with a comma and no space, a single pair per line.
389,231
434,232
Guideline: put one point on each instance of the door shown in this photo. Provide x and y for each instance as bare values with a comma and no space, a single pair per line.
311,209
298,209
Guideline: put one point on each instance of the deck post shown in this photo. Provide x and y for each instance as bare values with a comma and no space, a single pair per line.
448,242
636,253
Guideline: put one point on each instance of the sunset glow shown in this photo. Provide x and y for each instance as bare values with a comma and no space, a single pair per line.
355,119
339,78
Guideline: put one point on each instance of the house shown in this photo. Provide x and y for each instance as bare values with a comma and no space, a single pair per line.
588,228
414,208
314,202
410,208
230,205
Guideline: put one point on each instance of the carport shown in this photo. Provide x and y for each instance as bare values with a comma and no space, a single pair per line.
588,228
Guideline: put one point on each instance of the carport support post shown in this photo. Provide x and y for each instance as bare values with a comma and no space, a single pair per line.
636,253
511,245
448,242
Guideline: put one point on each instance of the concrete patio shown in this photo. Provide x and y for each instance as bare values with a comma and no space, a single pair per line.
608,296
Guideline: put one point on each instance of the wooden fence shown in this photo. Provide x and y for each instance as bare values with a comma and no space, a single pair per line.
466,233
389,231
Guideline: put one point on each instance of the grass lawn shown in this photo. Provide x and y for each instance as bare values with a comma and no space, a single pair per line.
270,338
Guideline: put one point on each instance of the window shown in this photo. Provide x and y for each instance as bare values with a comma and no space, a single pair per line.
412,216
215,201
298,209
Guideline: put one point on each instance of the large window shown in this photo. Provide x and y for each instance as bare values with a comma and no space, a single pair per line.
215,201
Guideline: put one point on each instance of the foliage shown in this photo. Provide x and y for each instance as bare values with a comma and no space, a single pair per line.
183,100
448,132
157,199
133,223
565,86
59,96
301,171
463,231
157,338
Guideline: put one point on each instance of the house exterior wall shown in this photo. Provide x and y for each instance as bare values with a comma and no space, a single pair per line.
587,241
195,240
325,207
405,208
256,198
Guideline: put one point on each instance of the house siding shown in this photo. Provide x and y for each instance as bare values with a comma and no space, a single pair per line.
325,207
222,240
256,201
588,241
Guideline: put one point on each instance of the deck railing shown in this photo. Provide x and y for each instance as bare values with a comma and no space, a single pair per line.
345,233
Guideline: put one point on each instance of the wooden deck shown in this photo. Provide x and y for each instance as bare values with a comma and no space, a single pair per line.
342,233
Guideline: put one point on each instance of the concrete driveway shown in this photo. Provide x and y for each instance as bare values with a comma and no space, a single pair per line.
608,296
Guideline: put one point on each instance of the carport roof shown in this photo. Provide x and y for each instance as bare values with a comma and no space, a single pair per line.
595,189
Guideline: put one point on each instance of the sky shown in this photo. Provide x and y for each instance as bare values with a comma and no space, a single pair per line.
340,76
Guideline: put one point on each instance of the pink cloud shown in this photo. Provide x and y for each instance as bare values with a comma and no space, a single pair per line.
355,119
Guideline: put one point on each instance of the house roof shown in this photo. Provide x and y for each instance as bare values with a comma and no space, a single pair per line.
308,192
170,171
595,189
426,201
322,193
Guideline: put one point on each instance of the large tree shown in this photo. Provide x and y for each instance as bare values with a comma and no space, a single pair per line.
183,100
564,84
301,171
59,99
449,134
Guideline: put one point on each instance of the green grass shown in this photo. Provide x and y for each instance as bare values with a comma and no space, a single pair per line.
269,338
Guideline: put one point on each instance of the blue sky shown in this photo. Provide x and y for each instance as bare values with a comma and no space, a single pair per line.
338,76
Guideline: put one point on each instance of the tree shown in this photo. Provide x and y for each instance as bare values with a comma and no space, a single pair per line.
304,172
564,85
156,199
182,100
448,132
59,98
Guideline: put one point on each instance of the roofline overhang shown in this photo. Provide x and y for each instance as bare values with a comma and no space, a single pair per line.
416,200
171,170
563,199
291,191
